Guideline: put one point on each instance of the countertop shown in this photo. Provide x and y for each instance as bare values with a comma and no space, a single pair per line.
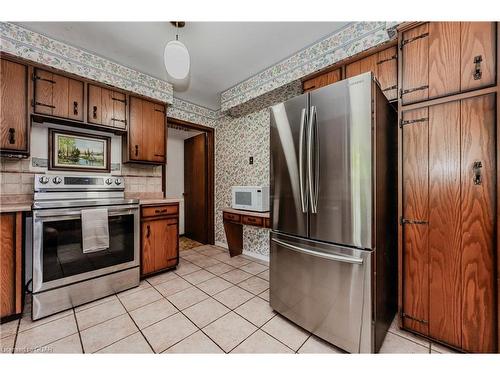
14,207
248,213
159,201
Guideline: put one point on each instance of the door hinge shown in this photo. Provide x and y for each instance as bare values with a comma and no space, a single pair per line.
423,321
124,101
404,221
390,88
406,41
35,77
388,59
408,122
407,91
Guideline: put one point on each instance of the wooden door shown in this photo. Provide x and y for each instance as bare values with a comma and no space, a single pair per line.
445,215
478,54
415,167
119,110
478,142
14,125
149,232
43,92
135,129
415,64
160,132
94,104
195,188
387,72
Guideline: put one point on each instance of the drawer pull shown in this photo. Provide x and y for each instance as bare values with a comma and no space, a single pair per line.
161,211
94,112
477,67
405,42
12,136
45,105
75,108
407,91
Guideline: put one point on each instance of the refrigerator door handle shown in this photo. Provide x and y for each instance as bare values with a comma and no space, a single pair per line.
337,258
310,166
302,138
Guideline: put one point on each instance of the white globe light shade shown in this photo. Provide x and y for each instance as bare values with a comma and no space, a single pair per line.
177,61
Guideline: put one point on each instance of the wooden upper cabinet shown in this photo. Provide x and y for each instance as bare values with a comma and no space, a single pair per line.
14,124
57,95
106,107
445,58
322,80
147,132
383,65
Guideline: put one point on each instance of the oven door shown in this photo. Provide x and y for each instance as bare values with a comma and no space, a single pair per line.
58,258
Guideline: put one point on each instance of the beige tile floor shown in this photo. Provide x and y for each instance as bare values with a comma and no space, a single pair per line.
210,304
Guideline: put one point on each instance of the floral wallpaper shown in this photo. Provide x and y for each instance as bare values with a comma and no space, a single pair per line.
348,41
32,46
187,111
236,140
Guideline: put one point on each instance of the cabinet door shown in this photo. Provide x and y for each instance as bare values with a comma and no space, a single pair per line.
353,69
159,127
44,84
135,129
368,64
75,99
148,131
172,248
415,64
148,247
119,110
478,142
166,234
444,58
478,54
322,80
387,72
94,104
415,169
444,223
106,107
13,106
60,92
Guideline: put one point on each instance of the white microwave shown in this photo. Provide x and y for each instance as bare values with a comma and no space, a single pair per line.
251,198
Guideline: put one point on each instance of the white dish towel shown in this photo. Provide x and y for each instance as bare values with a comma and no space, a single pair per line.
95,231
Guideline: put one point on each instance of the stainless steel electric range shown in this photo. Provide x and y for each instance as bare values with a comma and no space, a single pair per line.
63,275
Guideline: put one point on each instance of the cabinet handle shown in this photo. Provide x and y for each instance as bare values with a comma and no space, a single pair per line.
12,136
75,108
136,150
94,112
477,67
161,211
476,168
148,232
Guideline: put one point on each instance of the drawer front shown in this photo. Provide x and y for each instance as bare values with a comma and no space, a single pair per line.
160,210
231,217
252,220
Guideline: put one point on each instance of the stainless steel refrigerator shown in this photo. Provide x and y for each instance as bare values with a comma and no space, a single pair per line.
333,247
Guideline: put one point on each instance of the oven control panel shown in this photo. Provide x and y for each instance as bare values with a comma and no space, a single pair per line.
75,182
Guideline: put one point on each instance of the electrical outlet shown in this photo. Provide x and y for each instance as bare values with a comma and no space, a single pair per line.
250,160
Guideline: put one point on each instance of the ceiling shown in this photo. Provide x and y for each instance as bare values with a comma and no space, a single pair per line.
222,53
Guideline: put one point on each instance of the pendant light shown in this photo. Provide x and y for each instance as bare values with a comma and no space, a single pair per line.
176,58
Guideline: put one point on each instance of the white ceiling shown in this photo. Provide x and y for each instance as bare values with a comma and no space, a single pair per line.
222,53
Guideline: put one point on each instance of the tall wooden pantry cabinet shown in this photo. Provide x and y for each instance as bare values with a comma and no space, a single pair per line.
448,183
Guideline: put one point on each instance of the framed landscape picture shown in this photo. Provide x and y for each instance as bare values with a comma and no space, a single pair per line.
71,151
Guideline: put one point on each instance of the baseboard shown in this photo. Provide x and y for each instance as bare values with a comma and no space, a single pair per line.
250,254
221,244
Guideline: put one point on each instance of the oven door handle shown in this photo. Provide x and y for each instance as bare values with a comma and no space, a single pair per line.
73,213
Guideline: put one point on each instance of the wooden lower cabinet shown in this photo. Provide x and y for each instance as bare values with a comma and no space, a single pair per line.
159,238
11,233
448,226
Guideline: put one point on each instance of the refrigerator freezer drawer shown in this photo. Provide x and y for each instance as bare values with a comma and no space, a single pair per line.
323,288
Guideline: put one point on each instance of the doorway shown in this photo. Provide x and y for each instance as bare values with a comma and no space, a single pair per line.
190,178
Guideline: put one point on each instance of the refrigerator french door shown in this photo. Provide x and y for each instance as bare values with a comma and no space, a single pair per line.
329,149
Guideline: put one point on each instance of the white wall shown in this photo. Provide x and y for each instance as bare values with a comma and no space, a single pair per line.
175,171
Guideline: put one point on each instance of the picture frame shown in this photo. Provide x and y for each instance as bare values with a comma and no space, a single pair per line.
74,151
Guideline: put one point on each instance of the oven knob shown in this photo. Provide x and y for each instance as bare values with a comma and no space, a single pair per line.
43,179
57,180
118,181
109,181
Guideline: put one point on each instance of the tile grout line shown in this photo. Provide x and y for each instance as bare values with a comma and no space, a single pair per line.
78,330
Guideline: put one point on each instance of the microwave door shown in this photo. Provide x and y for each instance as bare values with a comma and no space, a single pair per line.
288,191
